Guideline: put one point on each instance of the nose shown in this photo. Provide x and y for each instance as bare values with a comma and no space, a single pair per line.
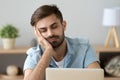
50,32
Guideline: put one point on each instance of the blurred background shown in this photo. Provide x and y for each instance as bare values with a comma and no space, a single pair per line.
84,17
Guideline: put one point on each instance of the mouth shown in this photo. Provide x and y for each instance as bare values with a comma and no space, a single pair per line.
52,39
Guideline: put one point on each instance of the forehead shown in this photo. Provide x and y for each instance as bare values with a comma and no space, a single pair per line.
47,21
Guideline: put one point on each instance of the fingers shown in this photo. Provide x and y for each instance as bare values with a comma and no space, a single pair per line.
44,43
41,39
37,33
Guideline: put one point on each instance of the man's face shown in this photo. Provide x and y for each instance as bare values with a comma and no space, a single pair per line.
52,30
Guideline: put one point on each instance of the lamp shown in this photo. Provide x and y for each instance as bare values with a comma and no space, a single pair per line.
111,18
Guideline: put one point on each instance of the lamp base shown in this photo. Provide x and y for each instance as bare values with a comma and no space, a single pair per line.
112,34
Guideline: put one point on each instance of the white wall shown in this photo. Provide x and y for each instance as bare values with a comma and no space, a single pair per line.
84,17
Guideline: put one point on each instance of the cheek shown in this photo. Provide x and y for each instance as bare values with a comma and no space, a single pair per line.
62,30
59,32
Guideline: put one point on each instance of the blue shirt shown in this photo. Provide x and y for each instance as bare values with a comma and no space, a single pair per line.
79,55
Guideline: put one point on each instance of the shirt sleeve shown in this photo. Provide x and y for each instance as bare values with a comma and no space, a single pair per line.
33,56
90,57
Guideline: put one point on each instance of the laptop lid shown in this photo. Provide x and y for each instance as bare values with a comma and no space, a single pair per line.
74,74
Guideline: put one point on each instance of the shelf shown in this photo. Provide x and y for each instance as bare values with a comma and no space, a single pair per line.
16,50
101,49
106,49
6,77
112,78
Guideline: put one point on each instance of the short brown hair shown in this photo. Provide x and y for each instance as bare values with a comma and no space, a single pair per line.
44,11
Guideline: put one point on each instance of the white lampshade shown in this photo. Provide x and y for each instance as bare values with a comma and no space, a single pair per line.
111,17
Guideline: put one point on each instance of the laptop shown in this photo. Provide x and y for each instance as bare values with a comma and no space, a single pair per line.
74,74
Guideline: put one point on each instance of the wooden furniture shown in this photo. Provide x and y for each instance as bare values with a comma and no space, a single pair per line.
101,49
112,35
16,50
6,77
22,50
6,59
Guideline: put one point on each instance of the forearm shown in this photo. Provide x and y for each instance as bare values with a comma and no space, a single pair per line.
94,65
39,71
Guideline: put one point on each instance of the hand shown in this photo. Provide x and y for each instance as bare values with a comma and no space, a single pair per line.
43,42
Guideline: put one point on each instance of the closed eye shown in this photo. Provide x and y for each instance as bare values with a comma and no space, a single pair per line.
42,30
54,26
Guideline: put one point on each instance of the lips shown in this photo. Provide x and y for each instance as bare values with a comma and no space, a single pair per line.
52,39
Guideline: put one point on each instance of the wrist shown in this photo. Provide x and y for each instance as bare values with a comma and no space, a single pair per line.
50,51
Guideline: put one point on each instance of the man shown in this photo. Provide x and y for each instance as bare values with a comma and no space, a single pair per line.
54,49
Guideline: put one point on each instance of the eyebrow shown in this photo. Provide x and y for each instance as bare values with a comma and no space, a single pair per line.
50,25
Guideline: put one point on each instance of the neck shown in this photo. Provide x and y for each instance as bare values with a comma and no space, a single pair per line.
61,51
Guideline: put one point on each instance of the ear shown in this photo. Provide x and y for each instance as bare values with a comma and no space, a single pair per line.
64,25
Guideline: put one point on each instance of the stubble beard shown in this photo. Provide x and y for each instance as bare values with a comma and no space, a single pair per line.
56,44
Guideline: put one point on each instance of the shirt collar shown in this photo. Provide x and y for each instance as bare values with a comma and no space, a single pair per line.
39,48
70,49
69,54
68,57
